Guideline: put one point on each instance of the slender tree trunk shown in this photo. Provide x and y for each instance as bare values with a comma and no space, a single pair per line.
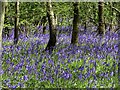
101,29
6,27
94,14
117,9
85,21
2,15
56,21
52,27
94,10
119,21
43,23
118,31
111,22
26,28
118,16
16,22
74,39
44,29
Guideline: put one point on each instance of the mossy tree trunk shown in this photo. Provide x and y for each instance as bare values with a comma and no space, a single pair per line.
74,39
16,22
101,27
2,16
52,26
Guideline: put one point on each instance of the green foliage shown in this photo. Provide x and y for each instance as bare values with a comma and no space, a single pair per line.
32,12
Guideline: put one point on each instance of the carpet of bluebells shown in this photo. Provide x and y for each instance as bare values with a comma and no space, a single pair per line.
91,64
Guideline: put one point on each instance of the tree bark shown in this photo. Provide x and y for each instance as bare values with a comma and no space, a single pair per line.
74,39
118,32
118,15
43,23
16,22
52,27
6,27
101,29
111,22
85,23
2,16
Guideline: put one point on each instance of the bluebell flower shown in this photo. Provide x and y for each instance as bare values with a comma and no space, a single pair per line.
25,77
20,84
51,62
80,76
81,68
94,76
51,80
14,86
87,74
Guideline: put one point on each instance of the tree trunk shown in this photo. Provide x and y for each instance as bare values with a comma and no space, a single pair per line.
16,22
2,15
94,14
74,39
85,21
43,23
6,27
94,10
101,28
118,15
111,22
52,27
118,31
117,9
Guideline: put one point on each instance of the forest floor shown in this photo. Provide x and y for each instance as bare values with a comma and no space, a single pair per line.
91,64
